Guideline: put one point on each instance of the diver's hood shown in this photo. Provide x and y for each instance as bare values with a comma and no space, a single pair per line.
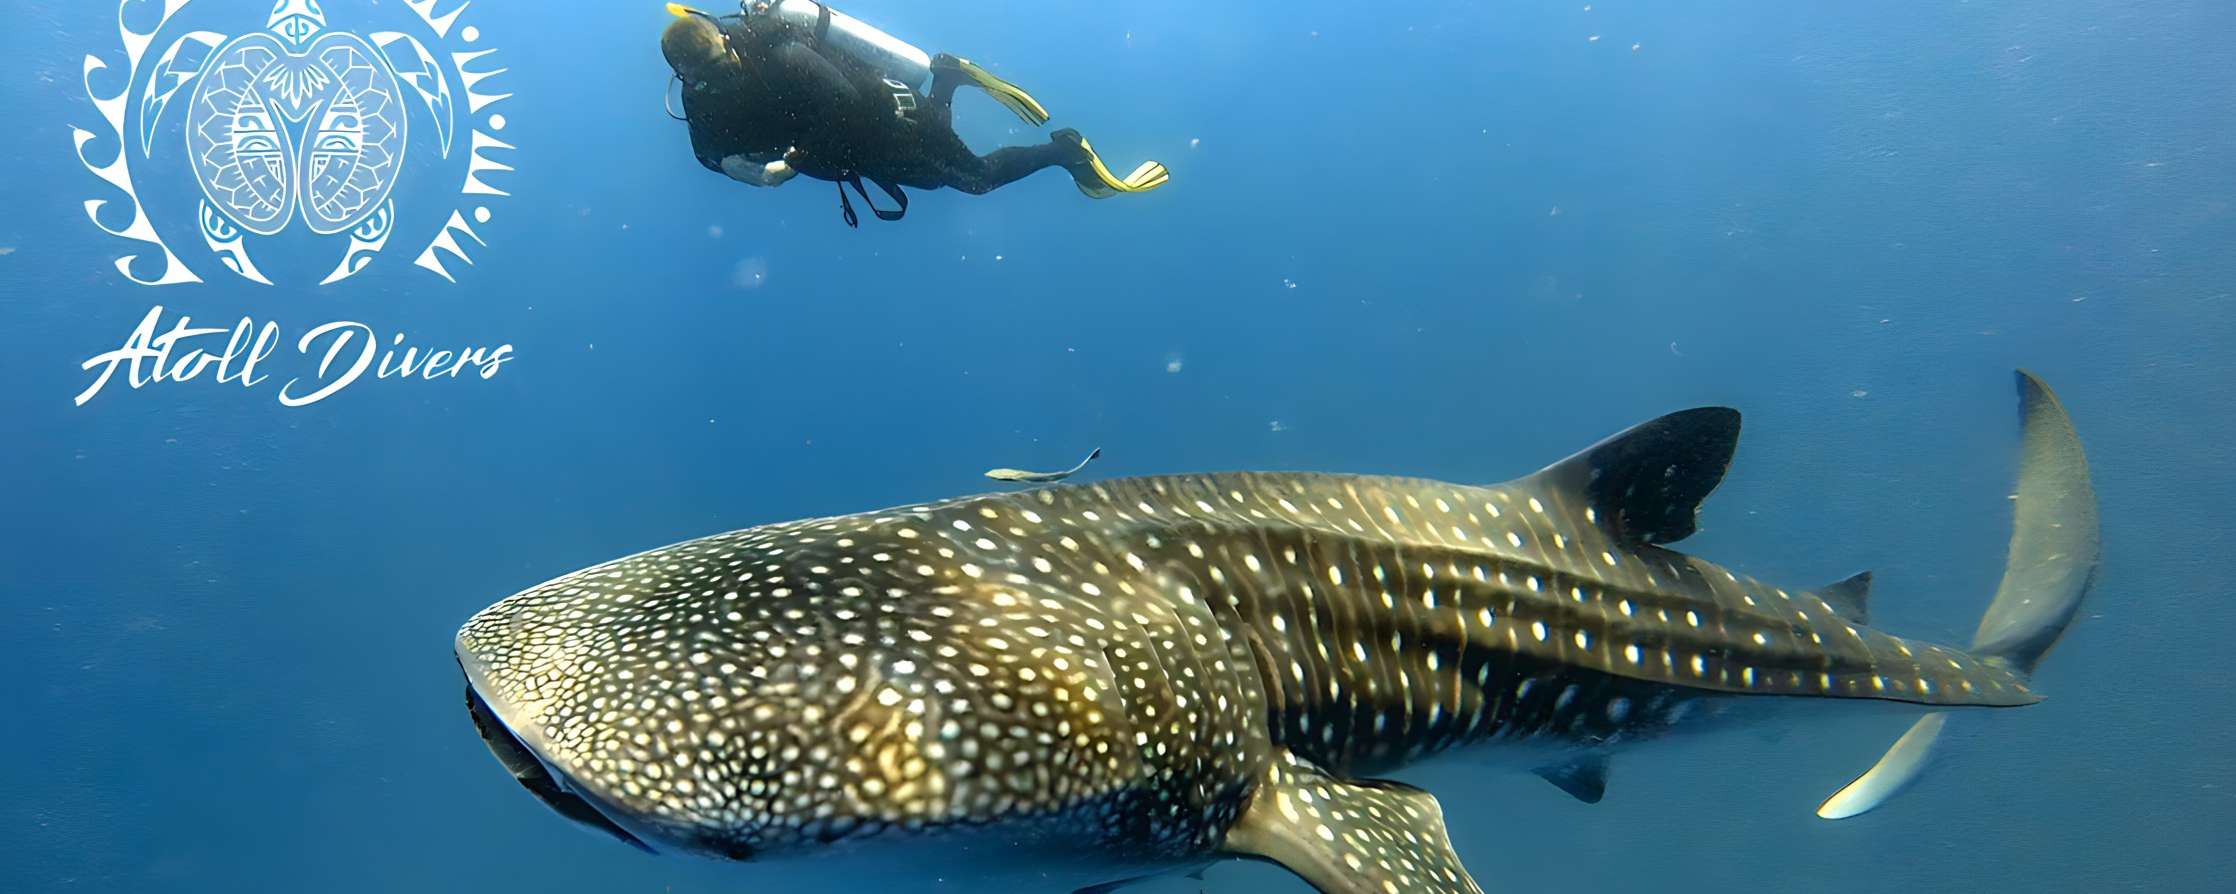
549,787
692,42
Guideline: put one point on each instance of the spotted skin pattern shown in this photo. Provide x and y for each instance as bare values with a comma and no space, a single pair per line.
1157,668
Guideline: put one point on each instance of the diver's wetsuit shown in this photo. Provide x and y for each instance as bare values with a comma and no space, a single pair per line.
840,119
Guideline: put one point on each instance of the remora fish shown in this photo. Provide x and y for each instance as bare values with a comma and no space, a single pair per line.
1160,672
1023,476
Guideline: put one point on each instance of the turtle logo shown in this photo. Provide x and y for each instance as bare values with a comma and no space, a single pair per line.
298,125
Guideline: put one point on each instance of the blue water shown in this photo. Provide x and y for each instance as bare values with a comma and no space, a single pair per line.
1452,239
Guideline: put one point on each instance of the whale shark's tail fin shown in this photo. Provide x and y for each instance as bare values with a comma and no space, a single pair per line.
2053,539
2051,564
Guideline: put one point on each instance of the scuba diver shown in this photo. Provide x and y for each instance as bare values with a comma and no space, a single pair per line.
792,87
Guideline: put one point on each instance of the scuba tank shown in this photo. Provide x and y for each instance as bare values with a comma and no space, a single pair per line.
890,56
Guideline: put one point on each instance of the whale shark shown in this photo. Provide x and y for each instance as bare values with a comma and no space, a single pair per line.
1148,675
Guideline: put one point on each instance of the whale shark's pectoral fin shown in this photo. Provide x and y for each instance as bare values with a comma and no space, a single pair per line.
1584,778
1348,837
1645,485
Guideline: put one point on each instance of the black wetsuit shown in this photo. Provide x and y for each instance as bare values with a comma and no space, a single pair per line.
841,119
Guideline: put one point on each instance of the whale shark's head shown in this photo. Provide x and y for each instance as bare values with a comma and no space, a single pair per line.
784,687
664,724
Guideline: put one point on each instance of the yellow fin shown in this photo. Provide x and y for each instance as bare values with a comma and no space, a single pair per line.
1148,176
1012,97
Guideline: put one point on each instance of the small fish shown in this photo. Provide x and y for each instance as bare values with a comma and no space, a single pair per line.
1020,475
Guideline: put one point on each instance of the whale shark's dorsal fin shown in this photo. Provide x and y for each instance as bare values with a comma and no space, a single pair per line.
1348,836
1645,485
1849,598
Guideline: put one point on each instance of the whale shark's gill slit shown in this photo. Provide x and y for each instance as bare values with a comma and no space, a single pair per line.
1323,626
1231,626
1343,624
1269,673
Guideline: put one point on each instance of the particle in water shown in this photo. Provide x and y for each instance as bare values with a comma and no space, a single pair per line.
751,273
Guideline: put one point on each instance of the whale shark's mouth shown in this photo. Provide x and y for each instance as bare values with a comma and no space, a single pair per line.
537,778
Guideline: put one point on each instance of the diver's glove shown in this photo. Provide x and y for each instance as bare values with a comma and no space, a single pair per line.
752,173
